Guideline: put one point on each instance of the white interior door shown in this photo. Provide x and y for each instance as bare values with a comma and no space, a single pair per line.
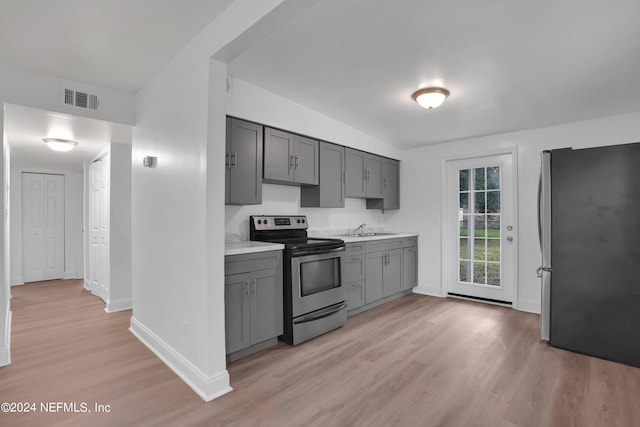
480,229
99,229
42,226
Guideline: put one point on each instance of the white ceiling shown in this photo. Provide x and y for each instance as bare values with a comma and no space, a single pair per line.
115,43
509,65
27,126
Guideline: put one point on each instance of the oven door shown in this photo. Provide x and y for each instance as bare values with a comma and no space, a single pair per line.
316,281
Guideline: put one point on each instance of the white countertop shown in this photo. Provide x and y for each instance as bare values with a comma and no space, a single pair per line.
237,247
390,235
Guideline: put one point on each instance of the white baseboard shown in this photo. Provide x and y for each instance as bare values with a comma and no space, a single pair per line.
69,275
87,285
18,280
118,305
428,290
529,306
5,352
207,387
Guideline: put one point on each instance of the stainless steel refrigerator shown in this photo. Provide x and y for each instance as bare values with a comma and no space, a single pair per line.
589,219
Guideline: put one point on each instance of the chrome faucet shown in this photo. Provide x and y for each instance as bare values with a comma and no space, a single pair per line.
359,229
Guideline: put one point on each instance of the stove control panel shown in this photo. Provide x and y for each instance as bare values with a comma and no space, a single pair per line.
271,222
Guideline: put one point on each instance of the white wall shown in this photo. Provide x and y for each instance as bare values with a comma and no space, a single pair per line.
73,213
285,200
177,207
421,191
251,102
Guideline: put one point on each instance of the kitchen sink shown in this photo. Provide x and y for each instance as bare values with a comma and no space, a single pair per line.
365,234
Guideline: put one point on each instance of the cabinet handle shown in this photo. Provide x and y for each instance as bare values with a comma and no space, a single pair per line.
246,288
384,183
227,164
296,161
254,287
233,159
291,164
344,176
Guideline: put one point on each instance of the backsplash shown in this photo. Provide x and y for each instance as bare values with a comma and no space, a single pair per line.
285,200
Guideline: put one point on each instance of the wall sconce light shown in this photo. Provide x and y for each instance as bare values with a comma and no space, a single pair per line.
149,162
431,97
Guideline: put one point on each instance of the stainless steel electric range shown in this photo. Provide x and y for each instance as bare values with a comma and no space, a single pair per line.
314,294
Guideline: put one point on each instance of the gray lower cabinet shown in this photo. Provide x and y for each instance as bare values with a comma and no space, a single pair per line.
353,266
290,158
253,302
243,162
330,192
384,274
377,271
410,263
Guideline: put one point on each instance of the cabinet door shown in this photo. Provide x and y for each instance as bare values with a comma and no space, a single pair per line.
306,161
392,272
237,314
355,170
374,177
409,268
278,155
355,295
266,305
245,163
330,191
374,274
353,268
390,184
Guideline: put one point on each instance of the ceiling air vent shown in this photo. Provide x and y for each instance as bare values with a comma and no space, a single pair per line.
75,98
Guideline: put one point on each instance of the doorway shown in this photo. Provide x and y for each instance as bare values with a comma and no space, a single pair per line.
480,230
43,236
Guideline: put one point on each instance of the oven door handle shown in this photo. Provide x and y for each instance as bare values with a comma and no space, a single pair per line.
320,314
307,252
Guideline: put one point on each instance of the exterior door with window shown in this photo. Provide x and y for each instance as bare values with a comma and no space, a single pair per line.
480,233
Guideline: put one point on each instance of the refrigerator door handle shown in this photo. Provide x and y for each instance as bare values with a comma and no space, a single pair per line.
544,223
540,213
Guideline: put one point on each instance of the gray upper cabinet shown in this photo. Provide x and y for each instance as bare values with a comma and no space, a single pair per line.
390,186
364,175
330,192
374,177
243,173
290,158
356,166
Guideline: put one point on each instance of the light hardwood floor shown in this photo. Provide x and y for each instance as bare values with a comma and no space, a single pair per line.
417,361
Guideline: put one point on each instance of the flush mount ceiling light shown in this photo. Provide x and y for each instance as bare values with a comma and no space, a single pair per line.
431,97
57,144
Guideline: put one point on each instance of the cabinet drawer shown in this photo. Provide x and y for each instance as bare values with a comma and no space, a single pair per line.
408,242
243,263
383,245
353,267
354,248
